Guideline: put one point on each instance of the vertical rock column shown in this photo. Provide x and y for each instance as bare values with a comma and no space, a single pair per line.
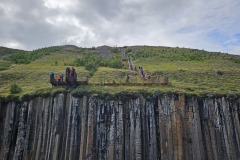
150,131
90,129
100,131
84,119
192,131
180,132
230,126
9,130
23,133
167,127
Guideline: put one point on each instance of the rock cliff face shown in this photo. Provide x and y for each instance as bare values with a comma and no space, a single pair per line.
79,128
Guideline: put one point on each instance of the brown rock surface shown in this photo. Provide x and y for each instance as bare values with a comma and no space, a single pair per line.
79,128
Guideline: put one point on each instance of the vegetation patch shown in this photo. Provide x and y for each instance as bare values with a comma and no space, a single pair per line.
81,91
14,89
232,96
92,62
126,95
26,57
4,65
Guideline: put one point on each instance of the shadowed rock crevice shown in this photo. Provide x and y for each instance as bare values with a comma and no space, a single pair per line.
166,127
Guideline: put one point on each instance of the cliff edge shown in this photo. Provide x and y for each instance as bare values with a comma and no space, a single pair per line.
165,127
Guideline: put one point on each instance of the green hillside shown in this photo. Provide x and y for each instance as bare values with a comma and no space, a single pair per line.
189,70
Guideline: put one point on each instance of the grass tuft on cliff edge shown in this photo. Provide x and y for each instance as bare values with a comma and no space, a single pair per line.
190,71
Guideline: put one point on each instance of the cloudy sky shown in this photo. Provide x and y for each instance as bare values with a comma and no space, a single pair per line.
212,25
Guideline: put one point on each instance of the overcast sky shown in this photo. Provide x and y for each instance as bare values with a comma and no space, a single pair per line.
212,25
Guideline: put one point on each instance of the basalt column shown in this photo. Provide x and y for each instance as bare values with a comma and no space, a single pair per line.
165,127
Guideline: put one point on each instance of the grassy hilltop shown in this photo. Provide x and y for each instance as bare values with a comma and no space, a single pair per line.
189,70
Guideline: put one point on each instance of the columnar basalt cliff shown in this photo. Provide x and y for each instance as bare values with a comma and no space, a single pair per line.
79,128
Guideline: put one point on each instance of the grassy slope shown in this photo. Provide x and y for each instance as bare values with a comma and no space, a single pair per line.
189,71
193,70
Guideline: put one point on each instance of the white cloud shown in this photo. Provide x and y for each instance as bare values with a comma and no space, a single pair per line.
210,25
13,44
8,9
235,50
59,4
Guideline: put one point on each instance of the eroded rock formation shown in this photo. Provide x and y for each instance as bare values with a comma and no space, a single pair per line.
79,128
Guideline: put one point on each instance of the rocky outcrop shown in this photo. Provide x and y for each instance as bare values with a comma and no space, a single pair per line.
166,127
